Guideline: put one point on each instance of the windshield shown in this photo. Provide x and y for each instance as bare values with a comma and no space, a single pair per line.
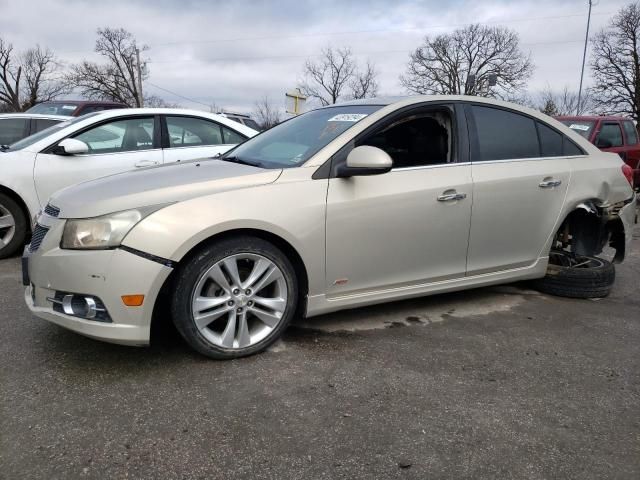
54,108
36,137
583,127
295,141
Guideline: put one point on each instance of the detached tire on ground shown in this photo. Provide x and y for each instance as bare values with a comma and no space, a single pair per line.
234,297
577,277
13,226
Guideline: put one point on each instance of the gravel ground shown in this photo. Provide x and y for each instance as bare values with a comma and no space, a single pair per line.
493,383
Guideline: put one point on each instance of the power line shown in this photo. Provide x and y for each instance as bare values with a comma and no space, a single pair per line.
177,94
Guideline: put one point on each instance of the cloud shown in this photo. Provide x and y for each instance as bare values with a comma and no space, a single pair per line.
233,53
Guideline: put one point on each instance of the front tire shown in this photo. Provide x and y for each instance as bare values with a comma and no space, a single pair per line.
234,298
13,226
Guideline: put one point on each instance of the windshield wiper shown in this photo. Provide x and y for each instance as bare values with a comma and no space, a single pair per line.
4,148
234,159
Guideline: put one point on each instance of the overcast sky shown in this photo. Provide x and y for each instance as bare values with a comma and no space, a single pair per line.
234,52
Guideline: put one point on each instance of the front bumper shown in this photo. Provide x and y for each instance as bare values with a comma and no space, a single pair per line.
106,274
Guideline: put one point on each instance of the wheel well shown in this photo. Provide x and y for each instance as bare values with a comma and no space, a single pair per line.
589,228
161,323
23,206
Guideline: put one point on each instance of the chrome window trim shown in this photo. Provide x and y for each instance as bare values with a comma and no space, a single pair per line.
510,160
428,167
109,153
199,146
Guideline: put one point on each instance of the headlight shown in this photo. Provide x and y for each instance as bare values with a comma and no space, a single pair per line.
104,232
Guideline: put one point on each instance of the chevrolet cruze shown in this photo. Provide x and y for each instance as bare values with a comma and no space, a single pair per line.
344,206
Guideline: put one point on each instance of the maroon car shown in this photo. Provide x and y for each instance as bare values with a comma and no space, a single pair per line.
610,134
74,108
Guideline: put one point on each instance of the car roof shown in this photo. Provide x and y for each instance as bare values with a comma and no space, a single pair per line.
42,116
81,102
402,101
590,118
117,112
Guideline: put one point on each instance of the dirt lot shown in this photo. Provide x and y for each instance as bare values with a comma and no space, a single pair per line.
494,383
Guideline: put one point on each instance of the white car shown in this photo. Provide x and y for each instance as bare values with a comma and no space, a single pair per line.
96,145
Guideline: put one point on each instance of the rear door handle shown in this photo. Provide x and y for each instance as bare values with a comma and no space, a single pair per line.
550,183
145,163
451,197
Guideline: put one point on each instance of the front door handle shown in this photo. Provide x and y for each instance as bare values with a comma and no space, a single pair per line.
451,196
550,183
145,163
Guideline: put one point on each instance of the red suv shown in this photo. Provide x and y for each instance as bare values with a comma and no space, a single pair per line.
610,134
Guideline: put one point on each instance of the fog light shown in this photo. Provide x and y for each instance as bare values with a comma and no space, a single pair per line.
133,300
83,306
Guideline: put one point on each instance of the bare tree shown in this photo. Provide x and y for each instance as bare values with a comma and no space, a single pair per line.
364,84
615,64
117,78
266,114
42,80
564,102
335,76
153,101
466,61
10,76
28,78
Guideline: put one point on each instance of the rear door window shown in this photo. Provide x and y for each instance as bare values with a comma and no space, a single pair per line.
231,136
550,141
42,123
13,129
192,132
630,132
504,135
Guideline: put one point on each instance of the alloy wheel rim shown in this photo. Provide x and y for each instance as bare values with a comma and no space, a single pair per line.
571,260
7,226
239,301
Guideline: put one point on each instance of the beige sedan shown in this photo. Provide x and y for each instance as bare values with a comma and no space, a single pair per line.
344,206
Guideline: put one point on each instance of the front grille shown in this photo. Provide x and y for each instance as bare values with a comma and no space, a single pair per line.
36,238
51,210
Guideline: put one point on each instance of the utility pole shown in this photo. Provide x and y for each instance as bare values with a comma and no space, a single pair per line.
584,58
139,71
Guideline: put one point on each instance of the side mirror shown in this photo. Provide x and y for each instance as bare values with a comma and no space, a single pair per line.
365,160
603,143
71,146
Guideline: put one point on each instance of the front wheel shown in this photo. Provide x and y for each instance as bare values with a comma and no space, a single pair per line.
234,298
13,226
577,276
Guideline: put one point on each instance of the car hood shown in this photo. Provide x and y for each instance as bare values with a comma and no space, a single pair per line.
156,186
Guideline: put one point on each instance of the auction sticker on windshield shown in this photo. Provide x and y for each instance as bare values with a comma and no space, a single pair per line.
577,126
347,117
